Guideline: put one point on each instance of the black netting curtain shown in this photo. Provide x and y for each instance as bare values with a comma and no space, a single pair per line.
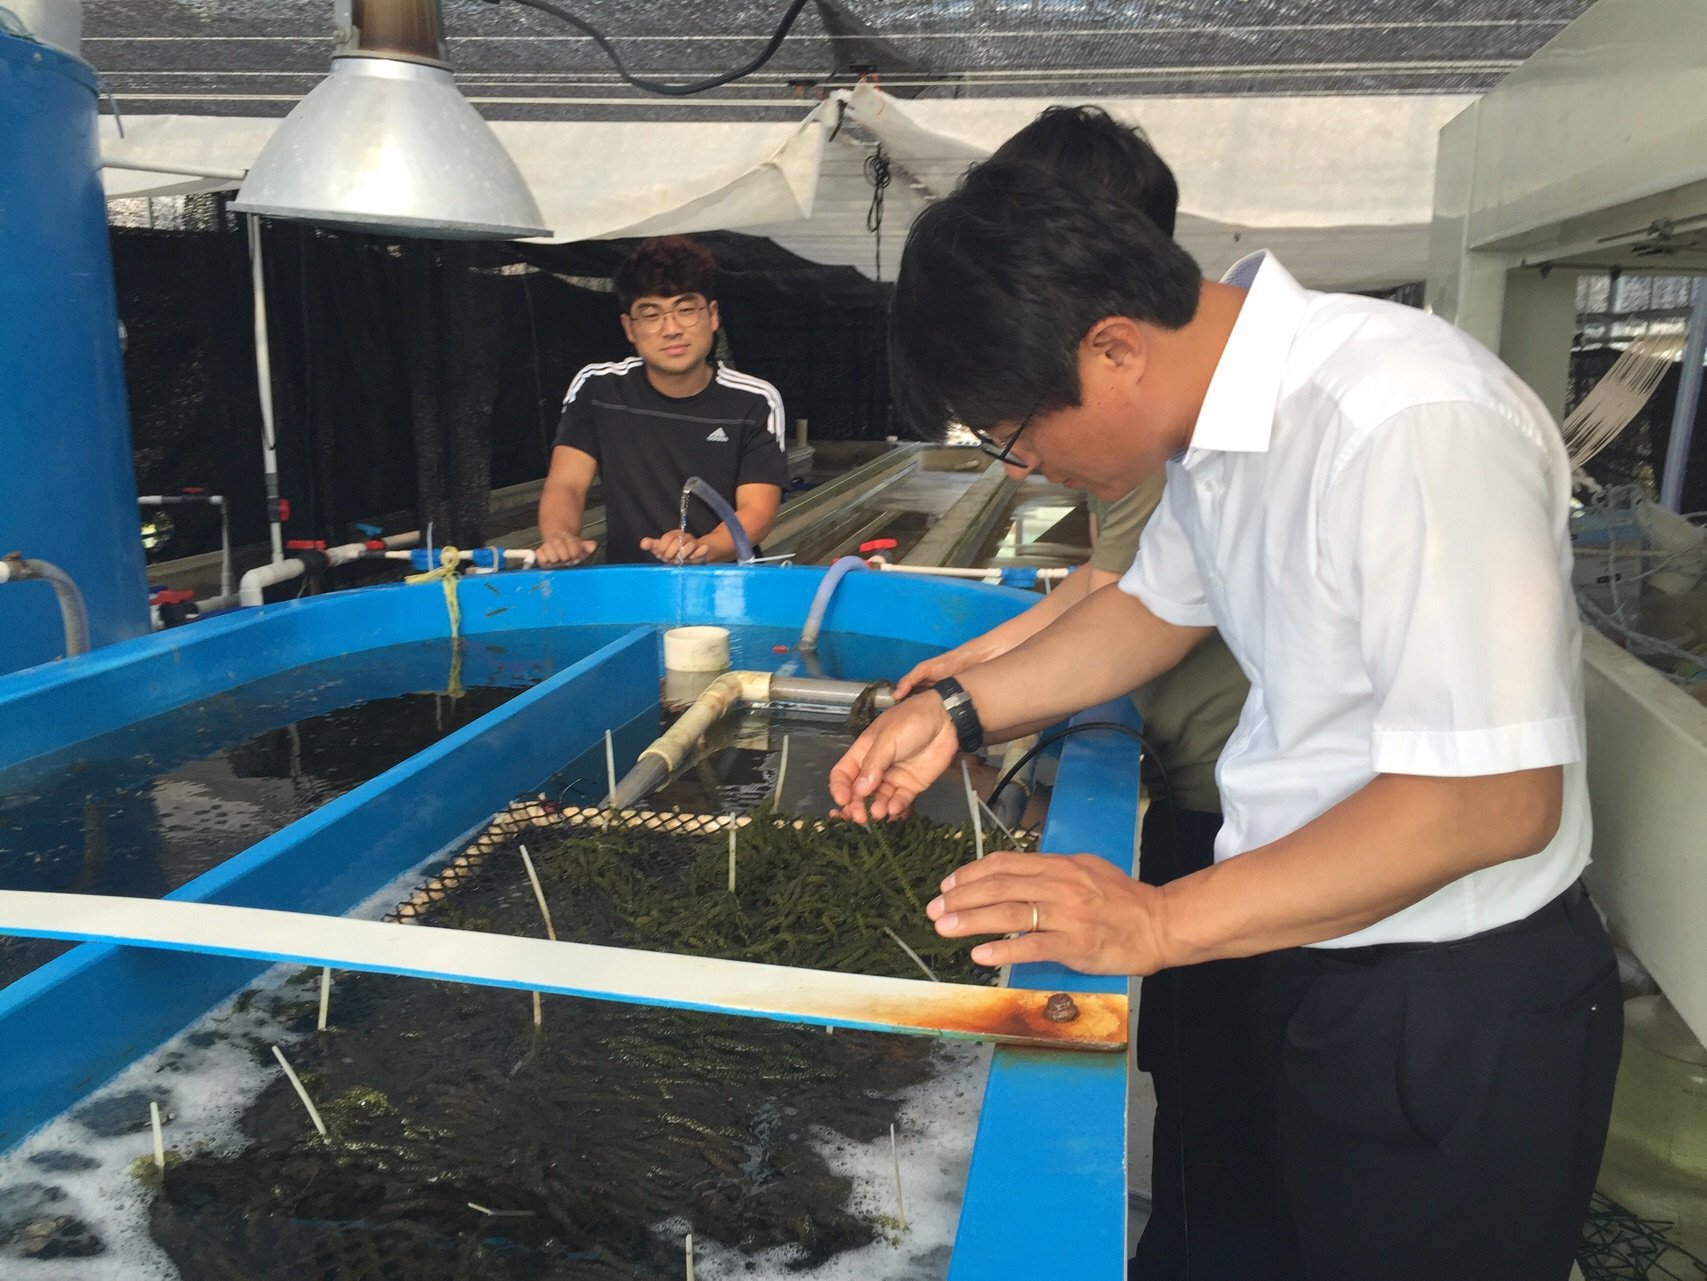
410,377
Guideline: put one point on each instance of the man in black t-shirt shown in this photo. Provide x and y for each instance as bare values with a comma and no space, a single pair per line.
648,423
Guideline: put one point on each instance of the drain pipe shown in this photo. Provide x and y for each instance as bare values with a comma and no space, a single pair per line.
253,587
695,487
657,762
839,570
15,568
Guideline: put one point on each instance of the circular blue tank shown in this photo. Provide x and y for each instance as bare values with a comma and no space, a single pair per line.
67,487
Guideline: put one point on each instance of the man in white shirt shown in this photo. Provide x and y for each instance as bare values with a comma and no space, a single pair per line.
1372,510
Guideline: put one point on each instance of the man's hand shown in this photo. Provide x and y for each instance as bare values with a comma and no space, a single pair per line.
564,549
897,757
1089,915
673,548
980,649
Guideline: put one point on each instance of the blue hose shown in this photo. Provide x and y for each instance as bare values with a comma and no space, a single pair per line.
821,601
714,500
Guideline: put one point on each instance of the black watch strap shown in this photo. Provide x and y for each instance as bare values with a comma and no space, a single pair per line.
961,714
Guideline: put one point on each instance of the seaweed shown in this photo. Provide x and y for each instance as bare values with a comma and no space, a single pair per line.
465,1143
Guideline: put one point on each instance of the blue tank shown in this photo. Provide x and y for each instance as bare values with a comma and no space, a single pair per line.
67,487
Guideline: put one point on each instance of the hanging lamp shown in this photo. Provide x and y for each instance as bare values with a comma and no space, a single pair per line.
387,143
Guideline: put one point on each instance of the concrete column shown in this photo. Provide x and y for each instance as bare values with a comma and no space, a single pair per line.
1536,327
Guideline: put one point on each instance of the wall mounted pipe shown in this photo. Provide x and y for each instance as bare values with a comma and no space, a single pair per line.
264,381
72,612
252,590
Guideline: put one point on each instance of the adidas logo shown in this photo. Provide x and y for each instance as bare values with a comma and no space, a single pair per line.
719,435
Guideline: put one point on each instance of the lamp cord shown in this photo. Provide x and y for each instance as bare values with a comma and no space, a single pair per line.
659,86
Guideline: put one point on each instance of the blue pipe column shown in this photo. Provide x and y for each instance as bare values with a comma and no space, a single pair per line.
67,486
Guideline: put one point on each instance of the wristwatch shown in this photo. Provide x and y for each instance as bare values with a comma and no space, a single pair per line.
961,714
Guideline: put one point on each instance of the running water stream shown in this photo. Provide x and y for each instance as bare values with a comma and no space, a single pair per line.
714,500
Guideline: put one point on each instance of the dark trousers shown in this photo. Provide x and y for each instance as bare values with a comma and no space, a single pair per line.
1217,1209
1440,1111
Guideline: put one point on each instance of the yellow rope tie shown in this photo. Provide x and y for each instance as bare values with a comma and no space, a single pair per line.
449,559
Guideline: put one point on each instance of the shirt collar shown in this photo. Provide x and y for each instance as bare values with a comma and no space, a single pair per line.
1238,409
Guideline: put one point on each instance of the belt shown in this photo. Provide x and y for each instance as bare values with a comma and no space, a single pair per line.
1553,912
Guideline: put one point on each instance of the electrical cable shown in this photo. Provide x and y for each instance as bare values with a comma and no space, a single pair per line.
877,173
659,86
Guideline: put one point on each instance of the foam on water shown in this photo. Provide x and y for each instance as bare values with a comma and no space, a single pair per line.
203,1080
206,1077
934,1133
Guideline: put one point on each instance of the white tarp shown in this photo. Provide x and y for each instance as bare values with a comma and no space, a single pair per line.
1341,187
593,181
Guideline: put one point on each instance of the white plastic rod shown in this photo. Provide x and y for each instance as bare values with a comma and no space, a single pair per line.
264,381
1007,1015
301,1091
159,1136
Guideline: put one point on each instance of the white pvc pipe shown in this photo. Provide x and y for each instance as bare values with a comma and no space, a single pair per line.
252,589
515,557
989,574
264,381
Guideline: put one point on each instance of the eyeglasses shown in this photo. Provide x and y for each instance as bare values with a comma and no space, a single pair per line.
687,311
1002,450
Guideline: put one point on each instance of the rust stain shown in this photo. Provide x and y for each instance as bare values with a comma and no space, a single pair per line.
1009,1015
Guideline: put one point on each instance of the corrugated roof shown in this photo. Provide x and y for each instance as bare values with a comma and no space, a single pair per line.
255,58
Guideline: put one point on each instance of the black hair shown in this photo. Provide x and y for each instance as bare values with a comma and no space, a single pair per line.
1087,146
666,267
1001,280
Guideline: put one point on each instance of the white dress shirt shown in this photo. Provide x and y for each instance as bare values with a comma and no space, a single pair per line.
1373,511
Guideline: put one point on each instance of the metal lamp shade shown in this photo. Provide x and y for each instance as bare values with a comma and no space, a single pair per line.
384,145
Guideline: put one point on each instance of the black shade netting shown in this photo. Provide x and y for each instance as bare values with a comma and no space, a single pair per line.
411,377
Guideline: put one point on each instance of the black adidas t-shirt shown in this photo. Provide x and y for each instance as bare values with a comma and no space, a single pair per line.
647,444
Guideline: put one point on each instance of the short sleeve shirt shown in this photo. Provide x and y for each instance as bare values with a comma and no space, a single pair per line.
1190,711
647,445
1373,511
